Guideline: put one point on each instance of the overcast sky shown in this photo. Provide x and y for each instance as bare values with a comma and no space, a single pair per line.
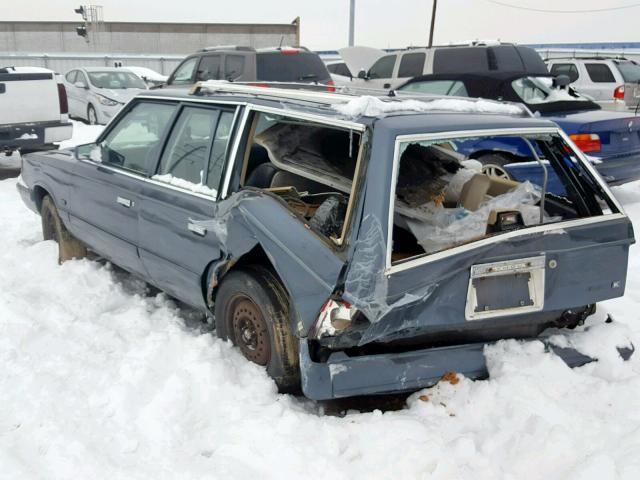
388,23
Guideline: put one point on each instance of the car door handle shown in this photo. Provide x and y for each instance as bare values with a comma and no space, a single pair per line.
197,229
125,202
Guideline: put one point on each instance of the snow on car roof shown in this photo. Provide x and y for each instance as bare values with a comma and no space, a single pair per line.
369,106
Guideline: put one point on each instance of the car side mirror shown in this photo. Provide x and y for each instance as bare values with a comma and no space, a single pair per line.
561,81
80,85
89,151
363,74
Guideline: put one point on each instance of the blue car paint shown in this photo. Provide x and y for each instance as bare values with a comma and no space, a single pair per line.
617,162
591,258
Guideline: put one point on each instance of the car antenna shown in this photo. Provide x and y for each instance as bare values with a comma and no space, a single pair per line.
281,40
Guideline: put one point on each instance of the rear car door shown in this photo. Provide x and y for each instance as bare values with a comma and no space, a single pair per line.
602,81
411,65
108,179
174,247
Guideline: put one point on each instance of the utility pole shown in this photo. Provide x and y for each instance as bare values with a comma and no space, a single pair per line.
433,22
352,14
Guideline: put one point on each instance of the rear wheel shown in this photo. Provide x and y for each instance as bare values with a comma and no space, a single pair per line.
493,165
252,310
53,229
92,117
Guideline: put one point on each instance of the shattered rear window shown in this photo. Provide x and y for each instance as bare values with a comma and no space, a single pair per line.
444,199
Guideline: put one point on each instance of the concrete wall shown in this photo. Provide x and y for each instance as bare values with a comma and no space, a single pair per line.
140,38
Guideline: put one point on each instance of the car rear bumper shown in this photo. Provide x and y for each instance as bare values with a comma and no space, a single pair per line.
343,376
33,135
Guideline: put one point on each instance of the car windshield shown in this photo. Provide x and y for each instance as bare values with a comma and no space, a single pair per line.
630,71
537,90
115,80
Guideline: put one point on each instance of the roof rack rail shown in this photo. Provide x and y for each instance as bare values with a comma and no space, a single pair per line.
239,48
303,91
587,57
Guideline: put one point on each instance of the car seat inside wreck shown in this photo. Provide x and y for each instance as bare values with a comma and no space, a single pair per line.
310,166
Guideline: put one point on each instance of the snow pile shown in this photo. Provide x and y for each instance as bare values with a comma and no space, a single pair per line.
187,185
367,106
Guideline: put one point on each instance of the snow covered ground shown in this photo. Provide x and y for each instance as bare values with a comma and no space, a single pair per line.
99,379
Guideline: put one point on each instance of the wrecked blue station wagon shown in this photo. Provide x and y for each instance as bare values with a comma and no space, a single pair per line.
342,242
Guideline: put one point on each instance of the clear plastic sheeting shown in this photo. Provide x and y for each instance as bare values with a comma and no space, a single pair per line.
437,228
366,286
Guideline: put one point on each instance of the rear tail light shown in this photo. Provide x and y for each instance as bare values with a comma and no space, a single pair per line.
62,99
335,316
587,142
289,51
262,85
618,93
331,86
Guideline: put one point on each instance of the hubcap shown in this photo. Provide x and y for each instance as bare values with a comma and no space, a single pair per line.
250,331
497,171
92,117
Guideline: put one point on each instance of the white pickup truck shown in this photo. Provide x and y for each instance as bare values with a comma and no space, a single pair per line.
33,109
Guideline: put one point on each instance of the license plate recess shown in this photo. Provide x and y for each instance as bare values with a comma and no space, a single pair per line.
506,288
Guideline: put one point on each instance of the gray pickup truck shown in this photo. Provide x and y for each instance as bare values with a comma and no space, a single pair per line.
341,241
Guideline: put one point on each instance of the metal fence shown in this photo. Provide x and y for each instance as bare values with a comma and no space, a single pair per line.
62,63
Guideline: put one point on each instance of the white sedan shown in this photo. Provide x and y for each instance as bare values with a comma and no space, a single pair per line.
96,94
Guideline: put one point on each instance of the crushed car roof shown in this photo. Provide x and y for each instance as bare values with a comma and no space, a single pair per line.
432,113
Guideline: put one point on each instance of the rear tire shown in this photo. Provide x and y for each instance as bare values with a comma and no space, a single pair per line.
493,165
252,310
69,247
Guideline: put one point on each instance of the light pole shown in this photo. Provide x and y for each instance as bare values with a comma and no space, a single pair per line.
352,14
433,22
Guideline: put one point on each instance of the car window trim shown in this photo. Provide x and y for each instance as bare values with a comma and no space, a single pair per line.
116,121
427,258
174,121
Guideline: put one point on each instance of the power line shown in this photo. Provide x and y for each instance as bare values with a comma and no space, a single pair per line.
541,10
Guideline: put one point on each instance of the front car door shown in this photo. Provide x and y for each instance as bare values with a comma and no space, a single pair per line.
174,247
82,94
184,73
381,73
108,178
72,96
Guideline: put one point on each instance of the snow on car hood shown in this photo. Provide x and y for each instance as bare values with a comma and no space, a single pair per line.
122,95
360,58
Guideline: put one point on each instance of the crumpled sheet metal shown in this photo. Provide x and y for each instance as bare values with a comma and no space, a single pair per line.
366,285
308,267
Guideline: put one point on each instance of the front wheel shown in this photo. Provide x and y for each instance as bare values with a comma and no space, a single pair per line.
92,116
252,310
69,247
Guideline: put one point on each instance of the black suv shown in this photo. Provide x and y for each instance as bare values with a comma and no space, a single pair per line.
246,64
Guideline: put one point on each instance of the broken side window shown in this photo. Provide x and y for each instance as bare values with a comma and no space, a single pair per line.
310,165
444,199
